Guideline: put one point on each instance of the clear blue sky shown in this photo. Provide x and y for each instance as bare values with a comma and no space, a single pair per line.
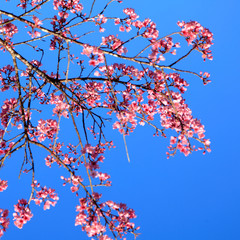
181,198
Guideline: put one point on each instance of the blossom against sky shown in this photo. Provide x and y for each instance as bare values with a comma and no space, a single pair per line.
180,198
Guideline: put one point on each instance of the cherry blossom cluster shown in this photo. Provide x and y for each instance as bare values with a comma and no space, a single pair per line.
150,31
127,22
4,148
8,110
131,13
4,221
99,21
68,159
7,29
92,95
90,224
114,44
61,106
205,77
178,82
22,213
7,79
159,48
174,113
95,54
3,185
92,213
75,180
89,85
196,34
45,195
72,5
49,160
94,152
102,177
24,3
46,129
33,33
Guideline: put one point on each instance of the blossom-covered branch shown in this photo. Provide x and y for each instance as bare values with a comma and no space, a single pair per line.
55,73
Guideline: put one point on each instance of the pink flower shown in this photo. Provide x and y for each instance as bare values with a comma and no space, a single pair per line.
173,140
46,129
94,229
3,185
87,50
117,21
22,213
93,62
37,21
45,195
121,29
102,29
4,221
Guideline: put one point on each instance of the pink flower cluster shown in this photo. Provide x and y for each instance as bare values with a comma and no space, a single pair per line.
134,95
100,19
22,213
72,5
102,176
151,32
120,219
178,82
61,106
45,195
205,77
8,29
91,213
4,148
161,47
126,23
92,95
183,123
6,79
76,180
4,221
198,35
169,105
3,185
37,22
124,119
131,13
24,3
8,108
66,158
114,44
95,54
93,153
46,129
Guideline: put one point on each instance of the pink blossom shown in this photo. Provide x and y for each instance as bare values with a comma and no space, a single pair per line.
22,213
45,195
46,129
173,140
121,29
8,29
87,50
117,21
37,21
4,221
94,229
3,185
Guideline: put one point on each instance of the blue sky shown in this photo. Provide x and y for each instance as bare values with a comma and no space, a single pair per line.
191,198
